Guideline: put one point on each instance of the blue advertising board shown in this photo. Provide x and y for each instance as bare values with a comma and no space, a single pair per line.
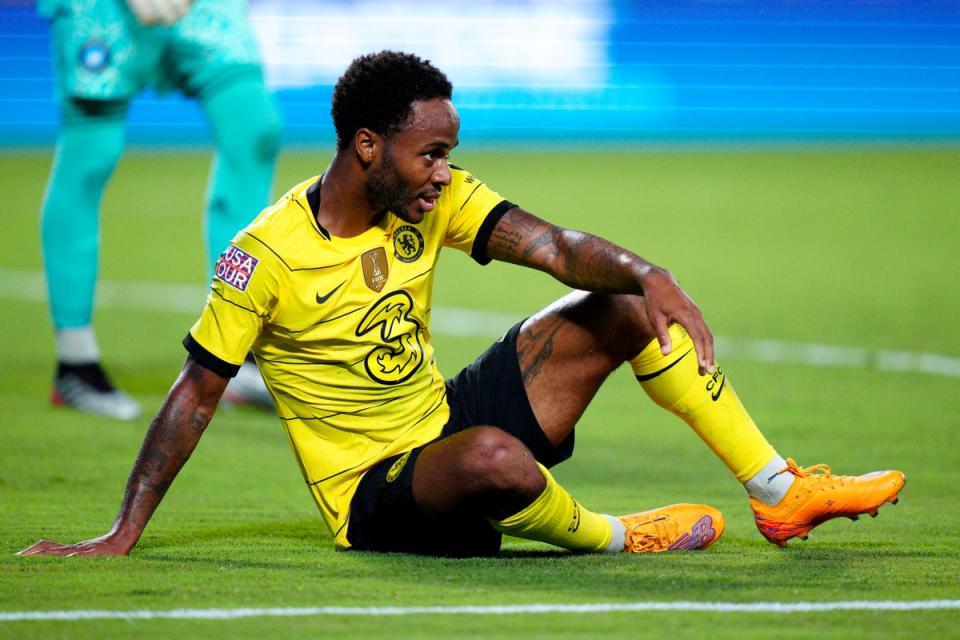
587,71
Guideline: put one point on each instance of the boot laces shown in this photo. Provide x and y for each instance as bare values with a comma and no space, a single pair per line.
796,470
639,540
822,480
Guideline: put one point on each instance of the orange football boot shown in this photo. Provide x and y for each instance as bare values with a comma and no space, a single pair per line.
678,527
815,498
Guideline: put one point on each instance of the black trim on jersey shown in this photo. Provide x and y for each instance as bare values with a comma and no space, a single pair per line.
479,184
479,251
426,415
313,196
419,275
313,363
239,306
317,324
312,221
269,248
345,523
338,473
313,199
342,413
284,262
220,367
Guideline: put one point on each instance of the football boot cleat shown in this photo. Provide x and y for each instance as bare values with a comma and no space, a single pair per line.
814,498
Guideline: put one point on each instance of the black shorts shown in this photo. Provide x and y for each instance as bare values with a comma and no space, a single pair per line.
489,391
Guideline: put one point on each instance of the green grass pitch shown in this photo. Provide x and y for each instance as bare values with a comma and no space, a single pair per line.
855,248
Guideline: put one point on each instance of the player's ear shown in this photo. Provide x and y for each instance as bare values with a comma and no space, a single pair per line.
368,145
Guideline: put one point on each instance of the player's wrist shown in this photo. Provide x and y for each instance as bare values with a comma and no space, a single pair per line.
123,536
650,276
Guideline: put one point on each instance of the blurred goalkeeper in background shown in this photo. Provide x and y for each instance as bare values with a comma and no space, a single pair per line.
106,52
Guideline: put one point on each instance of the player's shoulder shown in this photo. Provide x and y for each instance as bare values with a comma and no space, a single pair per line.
286,231
460,176
468,194
462,184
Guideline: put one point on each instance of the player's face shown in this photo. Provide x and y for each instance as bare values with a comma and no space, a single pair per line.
414,165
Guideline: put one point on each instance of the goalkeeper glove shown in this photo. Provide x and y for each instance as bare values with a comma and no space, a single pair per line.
153,12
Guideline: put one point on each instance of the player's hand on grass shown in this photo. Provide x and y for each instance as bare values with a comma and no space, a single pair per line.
107,545
667,303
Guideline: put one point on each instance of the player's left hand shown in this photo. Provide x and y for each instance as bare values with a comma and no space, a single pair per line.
102,546
667,303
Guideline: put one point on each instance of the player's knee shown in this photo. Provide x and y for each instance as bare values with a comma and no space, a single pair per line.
619,322
630,312
254,138
99,166
498,462
91,140
266,139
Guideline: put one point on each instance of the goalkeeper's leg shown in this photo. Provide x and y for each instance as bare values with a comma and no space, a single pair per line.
88,147
245,123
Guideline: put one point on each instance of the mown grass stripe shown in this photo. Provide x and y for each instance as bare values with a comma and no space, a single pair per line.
188,299
613,607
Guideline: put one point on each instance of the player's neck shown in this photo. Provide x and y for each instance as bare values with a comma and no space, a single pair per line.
345,211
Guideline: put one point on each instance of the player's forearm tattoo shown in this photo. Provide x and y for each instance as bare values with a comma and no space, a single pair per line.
546,241
199,422
575,258
510,235
598,265
171,438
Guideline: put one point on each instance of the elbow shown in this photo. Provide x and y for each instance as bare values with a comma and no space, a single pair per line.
562,262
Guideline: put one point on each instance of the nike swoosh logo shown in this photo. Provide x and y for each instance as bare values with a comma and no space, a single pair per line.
651,376
719,389
321,299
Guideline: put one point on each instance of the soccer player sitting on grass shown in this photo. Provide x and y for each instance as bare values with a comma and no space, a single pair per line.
331,289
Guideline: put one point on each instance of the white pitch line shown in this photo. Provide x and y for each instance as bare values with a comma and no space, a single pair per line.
495,610
189,299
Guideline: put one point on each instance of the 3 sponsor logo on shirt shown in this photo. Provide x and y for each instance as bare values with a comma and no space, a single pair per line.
399,352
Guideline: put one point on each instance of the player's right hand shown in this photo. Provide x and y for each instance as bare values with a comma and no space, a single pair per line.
103,546
154,12
666,303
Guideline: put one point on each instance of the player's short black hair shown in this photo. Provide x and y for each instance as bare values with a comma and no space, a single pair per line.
378,89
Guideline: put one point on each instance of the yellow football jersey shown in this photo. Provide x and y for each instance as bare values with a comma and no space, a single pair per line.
341,329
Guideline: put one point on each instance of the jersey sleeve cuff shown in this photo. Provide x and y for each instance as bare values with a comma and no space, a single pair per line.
479,251
220,367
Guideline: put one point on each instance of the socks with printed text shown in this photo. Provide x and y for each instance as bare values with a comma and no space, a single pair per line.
555,517
711,407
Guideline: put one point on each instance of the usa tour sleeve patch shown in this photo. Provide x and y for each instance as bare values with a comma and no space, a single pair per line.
235,267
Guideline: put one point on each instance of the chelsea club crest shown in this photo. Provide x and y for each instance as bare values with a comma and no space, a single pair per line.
407,243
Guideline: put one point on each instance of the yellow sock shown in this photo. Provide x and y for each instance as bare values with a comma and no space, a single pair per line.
707,403
557,518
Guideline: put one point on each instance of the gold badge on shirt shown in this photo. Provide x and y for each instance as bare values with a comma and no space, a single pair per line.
375,268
